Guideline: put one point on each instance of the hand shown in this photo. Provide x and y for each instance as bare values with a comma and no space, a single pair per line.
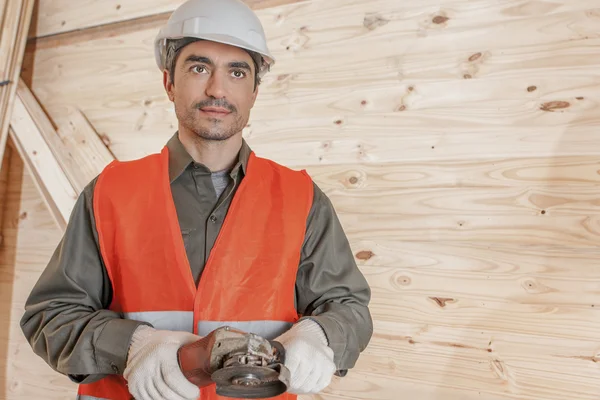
308,357
152,370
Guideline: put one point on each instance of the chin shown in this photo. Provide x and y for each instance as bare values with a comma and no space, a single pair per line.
213,128
212,134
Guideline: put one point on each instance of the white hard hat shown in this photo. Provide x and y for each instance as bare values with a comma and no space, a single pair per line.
225,21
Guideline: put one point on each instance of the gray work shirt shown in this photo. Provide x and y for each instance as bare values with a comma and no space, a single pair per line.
67,321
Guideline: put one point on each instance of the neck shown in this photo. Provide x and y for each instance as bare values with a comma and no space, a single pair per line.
216,155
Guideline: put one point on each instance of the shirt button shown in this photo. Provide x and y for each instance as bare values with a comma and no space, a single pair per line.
213,219
115,368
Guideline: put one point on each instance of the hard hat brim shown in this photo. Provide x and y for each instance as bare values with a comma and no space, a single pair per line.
219,38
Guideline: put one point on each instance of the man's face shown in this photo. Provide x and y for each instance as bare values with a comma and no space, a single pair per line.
213,90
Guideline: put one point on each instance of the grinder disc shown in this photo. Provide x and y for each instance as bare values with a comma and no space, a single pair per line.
249,382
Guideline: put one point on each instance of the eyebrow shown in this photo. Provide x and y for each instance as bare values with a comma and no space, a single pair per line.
208,61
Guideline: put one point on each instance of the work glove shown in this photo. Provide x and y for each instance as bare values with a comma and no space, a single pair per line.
308,357
152,370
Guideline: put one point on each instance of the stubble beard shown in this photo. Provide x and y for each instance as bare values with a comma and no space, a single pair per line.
215,129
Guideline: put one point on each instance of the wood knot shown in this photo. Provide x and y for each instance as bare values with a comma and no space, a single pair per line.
440,19
23,215
364,254
467,76
579,97
498,367
551,106
441,301
402,280
338,122
531,88
353,180
374,21
105,139
475,57
534,287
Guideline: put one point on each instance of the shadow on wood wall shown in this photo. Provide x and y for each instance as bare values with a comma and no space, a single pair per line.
552,271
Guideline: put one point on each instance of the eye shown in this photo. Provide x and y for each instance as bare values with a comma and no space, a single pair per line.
198,67
239,73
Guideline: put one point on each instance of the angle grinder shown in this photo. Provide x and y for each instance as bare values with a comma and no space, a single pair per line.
241,364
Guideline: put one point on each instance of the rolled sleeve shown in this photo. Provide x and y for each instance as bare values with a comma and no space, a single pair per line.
330,288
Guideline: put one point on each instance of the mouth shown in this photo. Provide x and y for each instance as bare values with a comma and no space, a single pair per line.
215,111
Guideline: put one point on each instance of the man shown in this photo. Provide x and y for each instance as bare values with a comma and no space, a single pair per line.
162,250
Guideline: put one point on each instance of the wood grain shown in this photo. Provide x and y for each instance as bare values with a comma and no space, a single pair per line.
456,363
478,259
57,191
447,284
575,231
409,99
4,184
560,202
62,162
83,152
54,17
539,172
458,143
15,25
57,16
30,238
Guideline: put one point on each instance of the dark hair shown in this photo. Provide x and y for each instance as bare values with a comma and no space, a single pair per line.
174,47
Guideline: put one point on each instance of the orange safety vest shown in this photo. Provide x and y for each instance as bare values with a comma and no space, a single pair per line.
249,278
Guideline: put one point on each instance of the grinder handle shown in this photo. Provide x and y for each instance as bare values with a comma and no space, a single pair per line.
194,361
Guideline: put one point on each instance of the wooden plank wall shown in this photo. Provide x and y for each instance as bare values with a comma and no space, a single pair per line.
459,141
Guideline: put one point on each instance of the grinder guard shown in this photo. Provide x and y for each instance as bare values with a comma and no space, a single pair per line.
241,364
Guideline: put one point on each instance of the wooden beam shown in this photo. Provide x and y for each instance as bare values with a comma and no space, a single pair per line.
61,22
61,162
84,154
16,18
77,147
50,179
4,189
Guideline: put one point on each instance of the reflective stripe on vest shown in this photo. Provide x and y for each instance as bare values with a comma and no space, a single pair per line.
84,397
184,321
167,320
267,329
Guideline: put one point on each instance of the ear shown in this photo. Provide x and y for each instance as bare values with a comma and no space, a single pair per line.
168,84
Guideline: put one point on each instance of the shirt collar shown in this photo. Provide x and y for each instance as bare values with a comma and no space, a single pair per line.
180,159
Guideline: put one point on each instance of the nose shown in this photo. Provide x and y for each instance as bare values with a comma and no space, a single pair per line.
215,86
